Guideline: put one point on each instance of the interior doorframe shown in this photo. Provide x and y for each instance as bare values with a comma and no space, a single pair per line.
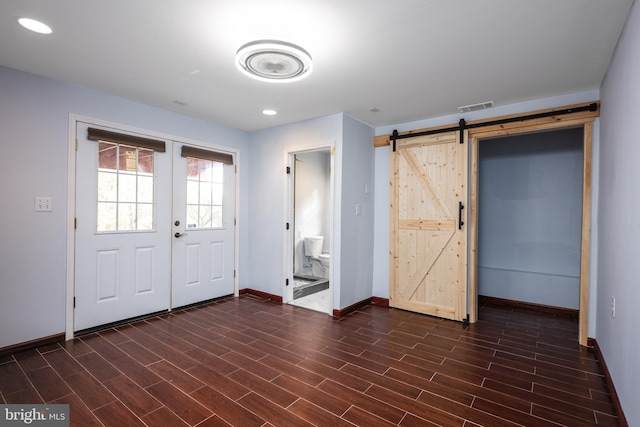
478,134
289,238
71,203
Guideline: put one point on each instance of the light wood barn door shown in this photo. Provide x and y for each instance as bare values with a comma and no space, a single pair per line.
428,244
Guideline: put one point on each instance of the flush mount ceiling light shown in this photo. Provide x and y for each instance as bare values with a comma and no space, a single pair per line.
35,26
273,60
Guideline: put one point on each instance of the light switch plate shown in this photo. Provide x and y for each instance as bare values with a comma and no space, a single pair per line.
43,204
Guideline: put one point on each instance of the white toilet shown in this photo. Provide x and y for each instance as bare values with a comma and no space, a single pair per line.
319,261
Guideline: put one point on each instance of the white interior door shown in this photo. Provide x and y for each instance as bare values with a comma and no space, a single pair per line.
203,225
123,240
155,228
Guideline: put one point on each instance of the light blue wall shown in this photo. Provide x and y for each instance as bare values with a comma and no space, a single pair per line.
618,224
34,126
351,235
529,217
356,233
382,158
268,193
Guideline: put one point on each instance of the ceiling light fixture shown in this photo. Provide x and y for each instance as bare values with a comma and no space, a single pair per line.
35,26
269,112
273,61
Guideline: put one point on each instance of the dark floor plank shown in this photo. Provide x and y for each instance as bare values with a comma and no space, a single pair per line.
230,411
132,395
181,404
116,414
250,361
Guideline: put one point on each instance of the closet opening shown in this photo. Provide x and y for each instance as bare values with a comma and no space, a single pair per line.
529,219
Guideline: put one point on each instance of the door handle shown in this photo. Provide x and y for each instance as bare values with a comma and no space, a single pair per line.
460,221
179,235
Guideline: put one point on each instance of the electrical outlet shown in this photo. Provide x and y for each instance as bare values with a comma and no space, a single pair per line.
613,306
43,204
358,209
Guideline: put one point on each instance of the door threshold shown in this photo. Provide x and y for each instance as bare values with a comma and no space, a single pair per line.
112,325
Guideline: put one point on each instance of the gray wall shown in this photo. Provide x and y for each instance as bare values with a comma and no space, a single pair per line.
529,217
618,224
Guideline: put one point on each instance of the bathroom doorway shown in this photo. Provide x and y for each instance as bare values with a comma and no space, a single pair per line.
309,268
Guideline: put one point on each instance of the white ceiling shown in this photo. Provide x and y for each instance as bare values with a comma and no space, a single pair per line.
411,59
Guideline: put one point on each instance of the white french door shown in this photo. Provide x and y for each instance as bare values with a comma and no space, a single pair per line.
203,227
152,232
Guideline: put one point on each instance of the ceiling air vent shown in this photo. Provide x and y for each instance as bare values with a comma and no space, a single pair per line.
475,107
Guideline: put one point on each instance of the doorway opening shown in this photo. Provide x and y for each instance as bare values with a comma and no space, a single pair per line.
529,219
583,125
310,256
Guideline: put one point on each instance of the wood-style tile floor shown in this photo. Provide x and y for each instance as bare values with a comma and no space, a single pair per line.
250,362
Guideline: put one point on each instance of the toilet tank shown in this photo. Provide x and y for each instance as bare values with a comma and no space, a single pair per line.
313,245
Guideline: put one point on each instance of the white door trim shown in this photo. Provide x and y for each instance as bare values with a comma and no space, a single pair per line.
71,200
289,161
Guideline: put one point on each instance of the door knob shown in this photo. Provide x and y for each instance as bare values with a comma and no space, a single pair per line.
178,235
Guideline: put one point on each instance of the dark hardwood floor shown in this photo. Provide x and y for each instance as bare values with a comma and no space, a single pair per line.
250,362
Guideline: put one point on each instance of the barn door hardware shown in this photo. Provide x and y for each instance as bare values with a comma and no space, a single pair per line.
460,221
462,124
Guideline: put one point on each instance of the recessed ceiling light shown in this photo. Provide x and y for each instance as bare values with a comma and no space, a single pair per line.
269,112
273,61
35,26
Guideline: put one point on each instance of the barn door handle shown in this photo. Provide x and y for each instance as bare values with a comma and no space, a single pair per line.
460,221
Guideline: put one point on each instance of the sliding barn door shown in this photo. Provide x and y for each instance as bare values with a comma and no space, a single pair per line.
428,236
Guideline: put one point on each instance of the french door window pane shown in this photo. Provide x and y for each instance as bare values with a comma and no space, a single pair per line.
205,182
107,186
145,189
125,191
216,216
205,193
193,192
217,172
145,161
216,190
145,216
192,168
192,216
107,155
107,216
127,216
